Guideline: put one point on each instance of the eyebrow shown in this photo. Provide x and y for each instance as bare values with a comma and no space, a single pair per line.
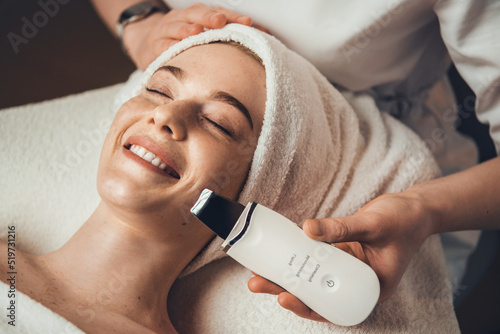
176,71
220,96
231,100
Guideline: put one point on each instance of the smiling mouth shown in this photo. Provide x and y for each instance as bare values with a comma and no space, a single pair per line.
150,157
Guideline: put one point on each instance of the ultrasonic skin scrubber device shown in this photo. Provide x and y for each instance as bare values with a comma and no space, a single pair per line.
336,285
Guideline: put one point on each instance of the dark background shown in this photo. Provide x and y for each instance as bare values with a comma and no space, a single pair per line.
73,52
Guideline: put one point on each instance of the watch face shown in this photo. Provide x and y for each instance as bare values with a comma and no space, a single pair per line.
136,11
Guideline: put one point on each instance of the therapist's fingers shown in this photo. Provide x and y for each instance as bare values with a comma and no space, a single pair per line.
148,38
288,301
259,284
217,17
292,303
162,45
232,17
212,17
332,230
177,30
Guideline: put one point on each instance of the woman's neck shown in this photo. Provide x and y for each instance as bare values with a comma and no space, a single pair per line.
114,266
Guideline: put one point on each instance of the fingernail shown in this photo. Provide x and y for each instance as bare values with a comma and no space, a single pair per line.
243,19
316,227
214,17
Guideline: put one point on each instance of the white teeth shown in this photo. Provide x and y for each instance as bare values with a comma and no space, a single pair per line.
141,151
148,156
156,161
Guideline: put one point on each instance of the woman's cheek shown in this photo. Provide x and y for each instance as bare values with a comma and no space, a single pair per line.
231,176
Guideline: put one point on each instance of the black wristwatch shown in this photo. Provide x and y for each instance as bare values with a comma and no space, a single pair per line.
136,13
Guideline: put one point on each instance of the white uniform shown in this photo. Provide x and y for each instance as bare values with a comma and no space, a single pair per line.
396,49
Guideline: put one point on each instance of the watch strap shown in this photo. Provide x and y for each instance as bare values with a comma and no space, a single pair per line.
135,13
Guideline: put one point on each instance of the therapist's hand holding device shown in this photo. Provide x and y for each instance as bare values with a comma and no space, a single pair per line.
385,234
336,285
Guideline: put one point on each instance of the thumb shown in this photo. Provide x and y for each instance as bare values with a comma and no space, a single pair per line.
332,230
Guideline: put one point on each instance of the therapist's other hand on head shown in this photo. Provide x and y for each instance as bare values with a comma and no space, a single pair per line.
385,234
147,39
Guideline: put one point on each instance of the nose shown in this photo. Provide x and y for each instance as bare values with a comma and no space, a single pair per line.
173,119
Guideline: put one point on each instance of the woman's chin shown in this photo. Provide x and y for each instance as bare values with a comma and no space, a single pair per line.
126,196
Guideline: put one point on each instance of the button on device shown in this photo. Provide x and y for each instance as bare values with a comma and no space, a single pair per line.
330,283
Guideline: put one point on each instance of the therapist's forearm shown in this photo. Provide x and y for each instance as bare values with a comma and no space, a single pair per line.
467,200
110,10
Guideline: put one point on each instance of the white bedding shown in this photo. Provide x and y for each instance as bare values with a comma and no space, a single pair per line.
50,152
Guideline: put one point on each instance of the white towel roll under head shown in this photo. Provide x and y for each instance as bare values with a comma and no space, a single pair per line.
316,155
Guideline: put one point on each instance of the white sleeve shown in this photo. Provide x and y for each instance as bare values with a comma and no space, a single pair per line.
471,32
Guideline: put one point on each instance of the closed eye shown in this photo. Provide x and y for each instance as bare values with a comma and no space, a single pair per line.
158,92
218,126
212,123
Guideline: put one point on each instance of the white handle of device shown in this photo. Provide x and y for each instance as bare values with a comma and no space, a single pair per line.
336,285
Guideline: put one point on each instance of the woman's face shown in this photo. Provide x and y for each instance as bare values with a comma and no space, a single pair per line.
195,125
